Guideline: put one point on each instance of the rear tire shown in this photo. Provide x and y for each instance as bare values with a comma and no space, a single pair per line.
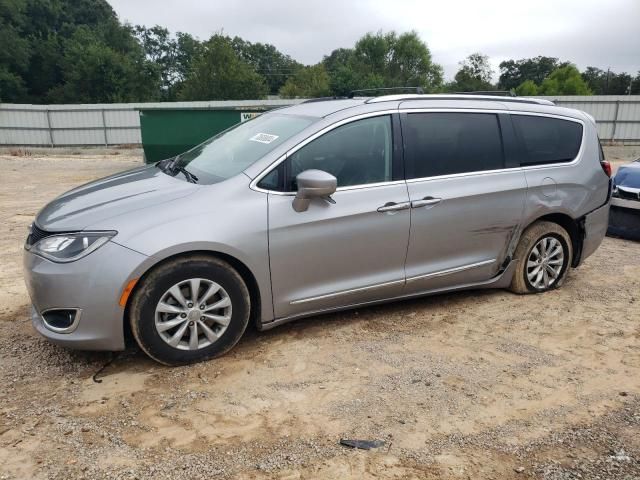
543,257
189,310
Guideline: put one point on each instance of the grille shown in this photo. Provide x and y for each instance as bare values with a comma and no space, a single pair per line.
628,195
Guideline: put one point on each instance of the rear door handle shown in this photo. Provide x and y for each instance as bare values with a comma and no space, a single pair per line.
394,207
426,201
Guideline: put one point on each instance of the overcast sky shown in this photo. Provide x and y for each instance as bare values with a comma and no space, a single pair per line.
602,33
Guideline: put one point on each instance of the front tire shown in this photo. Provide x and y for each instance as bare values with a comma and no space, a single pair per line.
189,309
543,257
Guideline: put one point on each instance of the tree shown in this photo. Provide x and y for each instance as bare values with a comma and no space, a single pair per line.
42,58
411,64
172,55
607,83
218,73
515,72
564,81
527,89
635,85
347,73
308,82
383,60
275,66
94,72
474,75
15,52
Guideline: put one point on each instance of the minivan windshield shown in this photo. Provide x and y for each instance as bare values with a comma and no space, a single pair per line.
232,151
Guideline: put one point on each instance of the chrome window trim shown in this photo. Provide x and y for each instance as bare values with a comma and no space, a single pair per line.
254,183
574,161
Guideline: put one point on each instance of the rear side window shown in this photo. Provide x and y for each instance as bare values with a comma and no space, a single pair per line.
448,143
547,140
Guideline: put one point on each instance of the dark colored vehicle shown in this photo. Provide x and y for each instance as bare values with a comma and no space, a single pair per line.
624,218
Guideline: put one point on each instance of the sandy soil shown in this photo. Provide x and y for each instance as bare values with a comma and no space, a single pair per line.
471,385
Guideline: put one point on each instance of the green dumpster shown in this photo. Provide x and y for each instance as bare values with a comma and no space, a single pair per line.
166,132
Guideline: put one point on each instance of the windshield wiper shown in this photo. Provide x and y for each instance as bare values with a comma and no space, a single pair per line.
187,174
171,167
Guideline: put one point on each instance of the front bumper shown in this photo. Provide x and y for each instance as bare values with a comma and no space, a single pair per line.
625,203
625,222
92,284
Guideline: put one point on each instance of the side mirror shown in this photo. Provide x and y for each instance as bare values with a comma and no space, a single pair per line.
313,184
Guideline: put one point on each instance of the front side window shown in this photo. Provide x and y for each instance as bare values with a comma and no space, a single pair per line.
547,140
357,153
449,143
234,150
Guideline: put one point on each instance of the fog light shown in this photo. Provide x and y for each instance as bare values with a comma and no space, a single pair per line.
61,320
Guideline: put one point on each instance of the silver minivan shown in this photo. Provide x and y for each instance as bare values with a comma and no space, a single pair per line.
317,207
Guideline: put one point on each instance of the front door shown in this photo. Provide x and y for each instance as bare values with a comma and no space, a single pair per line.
351,251
466,205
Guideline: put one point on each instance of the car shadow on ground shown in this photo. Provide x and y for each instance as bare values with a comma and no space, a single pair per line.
100,365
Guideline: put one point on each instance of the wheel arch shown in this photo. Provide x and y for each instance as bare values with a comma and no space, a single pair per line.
575,229
243,270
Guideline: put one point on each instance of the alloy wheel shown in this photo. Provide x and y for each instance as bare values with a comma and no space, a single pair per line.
193,314
545,262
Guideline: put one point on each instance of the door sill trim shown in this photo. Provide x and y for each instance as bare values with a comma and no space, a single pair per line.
449,271
501,280
345,292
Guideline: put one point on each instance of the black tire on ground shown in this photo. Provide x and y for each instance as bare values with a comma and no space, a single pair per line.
154,285
520,284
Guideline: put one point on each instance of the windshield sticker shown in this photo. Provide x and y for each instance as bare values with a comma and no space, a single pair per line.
263,138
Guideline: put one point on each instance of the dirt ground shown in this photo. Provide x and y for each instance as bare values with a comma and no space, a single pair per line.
475,385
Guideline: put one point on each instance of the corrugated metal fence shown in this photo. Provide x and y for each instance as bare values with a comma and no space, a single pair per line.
617,116
94,124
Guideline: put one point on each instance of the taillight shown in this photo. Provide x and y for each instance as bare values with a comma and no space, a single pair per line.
606,167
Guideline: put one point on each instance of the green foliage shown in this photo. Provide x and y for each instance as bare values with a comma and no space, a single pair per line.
528,88
219,73
73,51
70,51
564,81
275,66
474,74
515,72
607,83
94,72
172,56
308,82
383,60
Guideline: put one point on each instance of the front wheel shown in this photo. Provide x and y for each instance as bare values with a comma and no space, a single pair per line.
189,310
542,258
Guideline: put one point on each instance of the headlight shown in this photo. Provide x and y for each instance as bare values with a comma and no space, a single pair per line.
68,247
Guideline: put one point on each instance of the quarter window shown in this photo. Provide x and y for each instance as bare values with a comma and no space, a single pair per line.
547,140
448,143
357,153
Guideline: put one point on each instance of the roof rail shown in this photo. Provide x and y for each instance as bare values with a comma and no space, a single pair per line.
386,89
324,99
445,96
493,93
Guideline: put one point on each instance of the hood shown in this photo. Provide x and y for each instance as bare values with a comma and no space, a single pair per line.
628,175
111,196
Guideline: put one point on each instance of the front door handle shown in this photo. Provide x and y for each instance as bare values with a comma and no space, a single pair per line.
394,207
426,201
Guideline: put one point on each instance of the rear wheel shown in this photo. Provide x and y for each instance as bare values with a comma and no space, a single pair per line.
189,309
542,258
